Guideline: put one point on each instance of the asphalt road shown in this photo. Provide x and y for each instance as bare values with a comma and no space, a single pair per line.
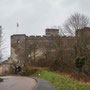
43,84
17,83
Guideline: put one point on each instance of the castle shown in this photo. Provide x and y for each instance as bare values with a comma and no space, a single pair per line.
25,48
21,40
21,45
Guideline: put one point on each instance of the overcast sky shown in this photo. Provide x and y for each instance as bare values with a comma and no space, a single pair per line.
34,16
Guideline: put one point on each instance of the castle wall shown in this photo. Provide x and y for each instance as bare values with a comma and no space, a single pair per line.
68,42
28,42
22,44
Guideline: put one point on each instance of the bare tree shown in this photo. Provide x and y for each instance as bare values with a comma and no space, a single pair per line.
58,46
81,45
1,43
74,22
31,50
35,47
46,49
62,32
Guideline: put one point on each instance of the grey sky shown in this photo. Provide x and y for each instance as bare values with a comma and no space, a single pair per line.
34,16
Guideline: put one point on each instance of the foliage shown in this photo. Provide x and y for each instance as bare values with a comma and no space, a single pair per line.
63,82
80,62
55,64
28,71
1,79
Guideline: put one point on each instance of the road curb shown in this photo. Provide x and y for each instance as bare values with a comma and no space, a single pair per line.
42,84
36,83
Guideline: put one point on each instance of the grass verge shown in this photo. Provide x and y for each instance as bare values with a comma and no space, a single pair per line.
1,79
62,82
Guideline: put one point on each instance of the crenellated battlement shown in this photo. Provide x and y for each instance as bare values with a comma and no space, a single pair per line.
22,44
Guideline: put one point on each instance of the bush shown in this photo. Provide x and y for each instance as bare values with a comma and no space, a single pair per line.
1,79
79,63
28,71
55,65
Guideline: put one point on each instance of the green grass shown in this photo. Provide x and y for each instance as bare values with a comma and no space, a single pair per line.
63,82
1,79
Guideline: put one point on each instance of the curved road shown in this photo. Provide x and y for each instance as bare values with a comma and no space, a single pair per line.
17,83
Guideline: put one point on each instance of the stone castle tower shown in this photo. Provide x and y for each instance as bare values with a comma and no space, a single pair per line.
50,32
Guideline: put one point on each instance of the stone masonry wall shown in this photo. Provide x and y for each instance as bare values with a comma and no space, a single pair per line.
21,43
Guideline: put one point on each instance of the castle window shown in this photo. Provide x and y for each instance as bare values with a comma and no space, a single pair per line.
18,41
29,55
